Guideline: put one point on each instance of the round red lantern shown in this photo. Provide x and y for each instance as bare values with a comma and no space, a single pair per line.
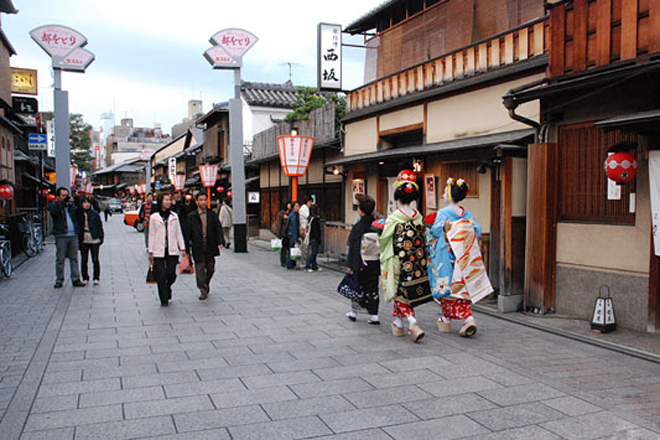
220,189
621,167
230,194
50,197
6,192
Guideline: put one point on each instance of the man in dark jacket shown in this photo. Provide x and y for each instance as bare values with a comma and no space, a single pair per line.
65,230
204,239
279,229
144,213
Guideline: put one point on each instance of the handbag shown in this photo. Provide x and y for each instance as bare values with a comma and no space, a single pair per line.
275,244
151,277
349,288
185,267
296,253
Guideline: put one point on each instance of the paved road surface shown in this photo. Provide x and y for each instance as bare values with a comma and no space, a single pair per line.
270,355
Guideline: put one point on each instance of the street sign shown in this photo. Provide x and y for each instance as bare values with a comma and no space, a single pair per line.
220,59
37,141
58,41
329,56
234,41
146,153
22,104
171,165
50,133
158,185
24,81
77,60
253,197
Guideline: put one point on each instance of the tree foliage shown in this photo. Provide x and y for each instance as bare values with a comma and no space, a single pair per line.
309,100
80,141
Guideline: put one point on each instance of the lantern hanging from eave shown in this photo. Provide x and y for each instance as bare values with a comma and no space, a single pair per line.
220,189
208,174
44,192
6,192
295,152
621,167
50,197
230,194
73,174
179,181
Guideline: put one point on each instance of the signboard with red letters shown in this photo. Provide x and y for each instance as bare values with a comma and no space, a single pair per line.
295,152
65,47
229,46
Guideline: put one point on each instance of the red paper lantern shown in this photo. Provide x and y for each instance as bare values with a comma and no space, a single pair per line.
50,197
230,194
6,192
44,192
621,167
220,189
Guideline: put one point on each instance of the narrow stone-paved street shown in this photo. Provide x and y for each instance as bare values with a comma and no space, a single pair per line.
270,355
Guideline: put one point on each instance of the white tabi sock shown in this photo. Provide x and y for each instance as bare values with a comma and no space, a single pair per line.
444,320
411,322
468,319
398,322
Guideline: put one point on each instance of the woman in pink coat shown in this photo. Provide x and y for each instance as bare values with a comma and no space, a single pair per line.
165,245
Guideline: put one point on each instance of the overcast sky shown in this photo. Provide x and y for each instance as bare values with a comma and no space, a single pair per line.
149,53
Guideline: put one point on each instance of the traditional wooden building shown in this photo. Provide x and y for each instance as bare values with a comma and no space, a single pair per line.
438,70
582,230
8,128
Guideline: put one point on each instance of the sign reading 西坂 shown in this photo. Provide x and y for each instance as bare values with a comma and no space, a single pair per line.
37,141
329,56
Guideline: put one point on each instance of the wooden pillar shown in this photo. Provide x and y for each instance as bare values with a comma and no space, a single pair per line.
505,226
541,247
653,321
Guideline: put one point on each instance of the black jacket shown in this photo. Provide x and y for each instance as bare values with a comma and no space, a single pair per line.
56,210
194,238
315,229
355,242
94,222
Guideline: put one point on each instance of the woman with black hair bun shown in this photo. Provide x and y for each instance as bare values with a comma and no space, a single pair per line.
454,239
404,259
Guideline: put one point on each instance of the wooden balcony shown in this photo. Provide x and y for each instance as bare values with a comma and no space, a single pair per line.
510,47
587,34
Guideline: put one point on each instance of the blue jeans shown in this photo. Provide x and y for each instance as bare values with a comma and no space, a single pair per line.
313,252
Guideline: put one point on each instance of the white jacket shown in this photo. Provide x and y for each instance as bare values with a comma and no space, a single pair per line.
157,236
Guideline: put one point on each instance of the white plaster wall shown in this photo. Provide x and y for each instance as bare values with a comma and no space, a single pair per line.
402,118
361,137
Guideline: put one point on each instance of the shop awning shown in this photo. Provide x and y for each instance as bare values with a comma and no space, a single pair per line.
642,121
519,137
44,182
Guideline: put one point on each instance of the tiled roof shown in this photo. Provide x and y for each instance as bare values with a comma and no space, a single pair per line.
269,95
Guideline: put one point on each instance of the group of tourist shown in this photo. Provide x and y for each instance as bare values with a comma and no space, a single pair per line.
299,227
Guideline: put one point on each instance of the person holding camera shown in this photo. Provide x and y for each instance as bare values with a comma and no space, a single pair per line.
65,230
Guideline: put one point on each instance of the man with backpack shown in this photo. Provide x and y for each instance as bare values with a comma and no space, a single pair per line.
363,261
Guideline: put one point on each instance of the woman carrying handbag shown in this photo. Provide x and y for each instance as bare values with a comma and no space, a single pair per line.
90,240
165,245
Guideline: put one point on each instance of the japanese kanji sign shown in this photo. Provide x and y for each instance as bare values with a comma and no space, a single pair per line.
65,47
229,46
295,152
179,181
24,81
220,59
209,174
329,56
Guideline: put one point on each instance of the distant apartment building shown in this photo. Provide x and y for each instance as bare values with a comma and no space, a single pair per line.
195,110
127,142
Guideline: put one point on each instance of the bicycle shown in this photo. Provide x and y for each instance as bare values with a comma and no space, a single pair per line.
5,252
33,239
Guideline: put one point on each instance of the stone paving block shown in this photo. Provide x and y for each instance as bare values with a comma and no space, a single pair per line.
507,378
219,418
307,407
515,416
350,371
387,396
54,367
390,380
252,397
520,394
259,358
63,348
339,350
416,363
360,419
73,417
68,356
438,429
131,351
120,371
633,434
202,388
121,396
303,364
168,406
51,434
231,372
368,434
227,353
166,367
365,358
149,380
572,406
175,356
86,386
290,347
448,406
328,388
285,429
590,426
280,379
526,433
459,386
127,429
213,434
55,403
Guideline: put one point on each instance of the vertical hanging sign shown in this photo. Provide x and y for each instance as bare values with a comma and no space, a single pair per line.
329,56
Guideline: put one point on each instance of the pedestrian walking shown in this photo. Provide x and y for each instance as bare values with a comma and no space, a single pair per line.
65,230
404,258
144,216
165,245
279,229
292,233
363,260
313,239
106,210
90,239
204,239
303,216
456,287
226,220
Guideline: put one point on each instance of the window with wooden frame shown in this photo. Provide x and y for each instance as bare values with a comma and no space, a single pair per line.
463,169
582,179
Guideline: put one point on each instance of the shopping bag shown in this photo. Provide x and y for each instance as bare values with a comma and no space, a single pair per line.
349,288
296,253
185,267
151,278
275,244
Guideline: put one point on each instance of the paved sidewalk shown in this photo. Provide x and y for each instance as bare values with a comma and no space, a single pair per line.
270,355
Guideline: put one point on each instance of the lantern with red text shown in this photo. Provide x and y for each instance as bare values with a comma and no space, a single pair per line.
220,189
230,194
73,174
209,175
50,197
44,193
6,192
179,181
295,152
621,167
